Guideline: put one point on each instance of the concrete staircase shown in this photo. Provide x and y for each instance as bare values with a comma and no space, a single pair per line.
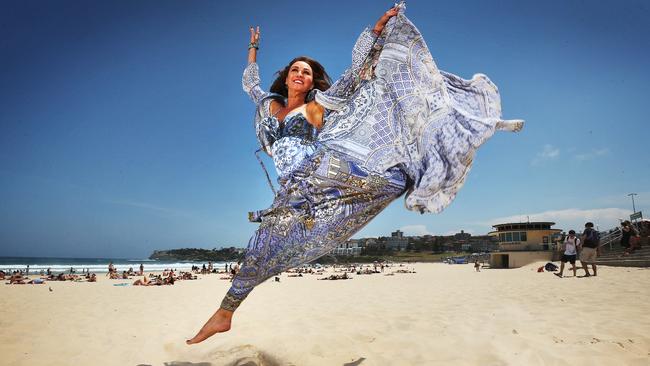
615,257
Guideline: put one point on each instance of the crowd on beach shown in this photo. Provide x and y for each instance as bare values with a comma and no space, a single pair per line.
343,272
585,248
170,276
19,277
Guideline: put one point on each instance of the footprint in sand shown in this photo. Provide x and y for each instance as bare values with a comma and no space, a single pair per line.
169,347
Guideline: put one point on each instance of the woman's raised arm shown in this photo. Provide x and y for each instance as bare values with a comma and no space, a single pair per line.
347,83
254,45
381,23
251,77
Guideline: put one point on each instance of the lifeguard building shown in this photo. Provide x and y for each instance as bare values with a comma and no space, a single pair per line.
523,243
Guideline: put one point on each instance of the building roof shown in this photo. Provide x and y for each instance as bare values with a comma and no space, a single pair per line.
550,223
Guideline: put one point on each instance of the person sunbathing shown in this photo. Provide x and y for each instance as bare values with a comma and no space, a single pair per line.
186,276
169,280
404,271
333,277
17,279
141,282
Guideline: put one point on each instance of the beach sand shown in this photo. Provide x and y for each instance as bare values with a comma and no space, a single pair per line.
441,315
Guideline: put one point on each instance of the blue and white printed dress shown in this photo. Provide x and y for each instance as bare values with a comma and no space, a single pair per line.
393,124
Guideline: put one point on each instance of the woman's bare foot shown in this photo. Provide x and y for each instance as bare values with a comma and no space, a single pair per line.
218,323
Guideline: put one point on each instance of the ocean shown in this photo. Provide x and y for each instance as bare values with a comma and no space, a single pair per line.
95,265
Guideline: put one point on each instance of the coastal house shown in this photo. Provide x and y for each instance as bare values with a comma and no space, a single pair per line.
523,243
351,247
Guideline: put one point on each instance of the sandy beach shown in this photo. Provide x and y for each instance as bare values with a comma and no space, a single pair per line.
441,315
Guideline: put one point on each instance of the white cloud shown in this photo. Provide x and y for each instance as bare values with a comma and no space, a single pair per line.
415,230
571,218
594,153
549,152
420,230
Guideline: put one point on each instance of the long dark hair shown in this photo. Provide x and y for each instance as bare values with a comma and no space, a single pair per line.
320,78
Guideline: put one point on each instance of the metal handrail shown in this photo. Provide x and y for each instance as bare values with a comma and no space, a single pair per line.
610,238
614,235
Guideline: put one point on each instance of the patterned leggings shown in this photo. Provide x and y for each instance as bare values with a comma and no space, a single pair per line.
325,201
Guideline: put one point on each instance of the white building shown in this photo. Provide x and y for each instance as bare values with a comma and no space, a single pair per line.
351,247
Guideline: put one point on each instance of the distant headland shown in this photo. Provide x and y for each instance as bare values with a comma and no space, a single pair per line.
197,254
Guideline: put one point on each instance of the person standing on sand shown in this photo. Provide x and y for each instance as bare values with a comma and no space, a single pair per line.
570,246
590,248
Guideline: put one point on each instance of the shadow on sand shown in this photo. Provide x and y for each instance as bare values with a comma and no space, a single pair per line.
246,355
355,363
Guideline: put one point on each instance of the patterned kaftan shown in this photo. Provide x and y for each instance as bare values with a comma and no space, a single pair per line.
394,123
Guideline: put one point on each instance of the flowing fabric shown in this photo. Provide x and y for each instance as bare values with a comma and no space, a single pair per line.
394,123
410,114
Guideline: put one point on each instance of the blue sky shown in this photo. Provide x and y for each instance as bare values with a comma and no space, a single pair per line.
123,126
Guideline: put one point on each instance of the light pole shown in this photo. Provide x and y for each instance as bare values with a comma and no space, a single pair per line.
632,195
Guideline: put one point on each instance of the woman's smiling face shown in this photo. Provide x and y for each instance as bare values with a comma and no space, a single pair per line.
300,77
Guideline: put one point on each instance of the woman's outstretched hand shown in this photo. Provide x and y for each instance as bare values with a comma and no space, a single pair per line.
381,23
255,35
254,44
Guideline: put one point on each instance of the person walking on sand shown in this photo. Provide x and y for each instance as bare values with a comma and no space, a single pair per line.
590,248
570,247
477,266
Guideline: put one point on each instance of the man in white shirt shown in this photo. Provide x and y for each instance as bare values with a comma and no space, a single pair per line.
570,247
